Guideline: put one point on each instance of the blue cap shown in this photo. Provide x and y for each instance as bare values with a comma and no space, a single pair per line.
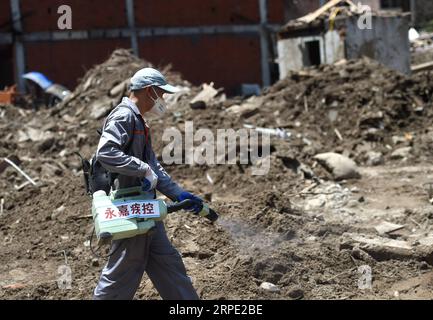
147,77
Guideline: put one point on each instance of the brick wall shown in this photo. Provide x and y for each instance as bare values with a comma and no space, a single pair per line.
227,59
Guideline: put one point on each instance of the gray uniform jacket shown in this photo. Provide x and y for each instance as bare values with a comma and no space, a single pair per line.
122,124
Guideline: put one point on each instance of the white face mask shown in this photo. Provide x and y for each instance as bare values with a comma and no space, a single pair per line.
159,105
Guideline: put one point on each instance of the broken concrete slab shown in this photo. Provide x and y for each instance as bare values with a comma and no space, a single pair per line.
374,158
385,227
382,249
341,167
205,96
401,153
248,108
119,89
100,108
378,247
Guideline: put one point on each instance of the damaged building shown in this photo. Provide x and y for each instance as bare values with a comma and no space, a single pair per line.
339,30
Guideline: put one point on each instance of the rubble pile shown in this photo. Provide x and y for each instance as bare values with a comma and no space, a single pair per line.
267,244
358,108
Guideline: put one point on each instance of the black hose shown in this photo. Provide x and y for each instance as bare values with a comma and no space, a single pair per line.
180,205
99,247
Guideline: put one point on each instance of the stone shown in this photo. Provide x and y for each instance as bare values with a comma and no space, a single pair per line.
341,167
295,293
57,212
387,227
100,108
401,153
267,286
374,158
95,262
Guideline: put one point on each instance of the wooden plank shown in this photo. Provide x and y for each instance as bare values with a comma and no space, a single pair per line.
422,66
314,15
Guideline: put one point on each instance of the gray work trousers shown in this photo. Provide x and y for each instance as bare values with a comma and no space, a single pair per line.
153,253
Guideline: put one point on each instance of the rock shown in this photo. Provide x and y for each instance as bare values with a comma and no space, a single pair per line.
352,203
398,139
199,105
119,89
387,227
248,108
374,158
296,293
360,254
95,262
100,108
57,212
315,203
46,144
401,153
205,96
269,287
338,165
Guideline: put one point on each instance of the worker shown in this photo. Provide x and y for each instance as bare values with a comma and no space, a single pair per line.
125,149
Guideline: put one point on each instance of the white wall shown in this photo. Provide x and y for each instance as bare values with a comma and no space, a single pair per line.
291,51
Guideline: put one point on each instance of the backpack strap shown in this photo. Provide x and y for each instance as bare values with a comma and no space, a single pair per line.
128,145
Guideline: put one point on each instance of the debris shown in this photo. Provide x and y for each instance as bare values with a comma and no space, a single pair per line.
338,134
379,248
95,262
100,108
374,158
204,97
119,89
280,133
295,293
2,203
422,67
57,212
387,227
209,178
14,286
360,254
248,108
413,34
21,186
401,153
8,95
53,93
340,166
20,171
269,287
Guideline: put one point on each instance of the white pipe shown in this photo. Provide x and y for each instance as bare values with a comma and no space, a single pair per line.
20,171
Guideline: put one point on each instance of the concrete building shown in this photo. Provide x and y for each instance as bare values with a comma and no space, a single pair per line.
327,39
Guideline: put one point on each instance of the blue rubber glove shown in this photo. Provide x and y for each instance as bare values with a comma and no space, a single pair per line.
195,208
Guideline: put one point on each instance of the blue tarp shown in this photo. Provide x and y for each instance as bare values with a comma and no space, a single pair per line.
39,79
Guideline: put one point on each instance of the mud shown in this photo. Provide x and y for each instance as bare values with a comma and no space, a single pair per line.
284,227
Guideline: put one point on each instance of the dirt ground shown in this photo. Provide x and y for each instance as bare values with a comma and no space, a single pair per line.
309,237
